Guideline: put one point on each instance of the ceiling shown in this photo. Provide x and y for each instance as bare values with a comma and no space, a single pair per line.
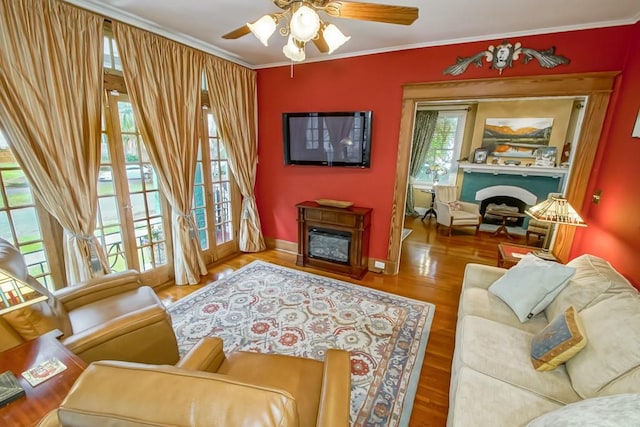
201,23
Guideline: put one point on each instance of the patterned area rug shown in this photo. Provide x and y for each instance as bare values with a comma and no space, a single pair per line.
271,309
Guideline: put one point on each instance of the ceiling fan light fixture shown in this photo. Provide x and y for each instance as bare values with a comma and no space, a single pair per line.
263,28
293,50
334,37
304,24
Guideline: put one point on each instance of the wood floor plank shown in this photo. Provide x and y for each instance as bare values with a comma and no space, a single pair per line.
431,269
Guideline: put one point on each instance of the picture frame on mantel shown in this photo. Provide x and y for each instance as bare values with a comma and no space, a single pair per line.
480,155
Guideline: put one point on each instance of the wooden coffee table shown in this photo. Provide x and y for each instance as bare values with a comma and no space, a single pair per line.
505,216
46,396
510,254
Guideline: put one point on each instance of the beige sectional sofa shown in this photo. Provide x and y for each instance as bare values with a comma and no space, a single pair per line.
493,382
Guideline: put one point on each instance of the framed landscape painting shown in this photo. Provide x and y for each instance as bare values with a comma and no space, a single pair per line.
516,137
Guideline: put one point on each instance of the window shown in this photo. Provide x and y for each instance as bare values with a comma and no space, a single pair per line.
441,164
19,220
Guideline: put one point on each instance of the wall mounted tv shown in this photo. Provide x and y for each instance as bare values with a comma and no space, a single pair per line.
327,139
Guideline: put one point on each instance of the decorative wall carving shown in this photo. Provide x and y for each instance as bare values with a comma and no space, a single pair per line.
503,56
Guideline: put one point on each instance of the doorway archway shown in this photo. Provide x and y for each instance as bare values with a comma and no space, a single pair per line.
595,87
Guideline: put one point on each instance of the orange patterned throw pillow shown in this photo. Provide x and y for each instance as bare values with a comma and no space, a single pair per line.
562,339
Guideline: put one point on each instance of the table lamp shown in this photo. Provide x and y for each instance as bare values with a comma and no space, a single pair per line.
554,210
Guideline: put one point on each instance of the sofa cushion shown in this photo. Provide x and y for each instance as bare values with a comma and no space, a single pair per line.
504,352
620,410
595,279
531,285
32,321
482,303
482,401
613,349
562,339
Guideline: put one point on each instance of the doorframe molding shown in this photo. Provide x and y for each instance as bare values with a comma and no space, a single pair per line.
595,87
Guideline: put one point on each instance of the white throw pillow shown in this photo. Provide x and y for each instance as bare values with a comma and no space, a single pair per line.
619,410
529,286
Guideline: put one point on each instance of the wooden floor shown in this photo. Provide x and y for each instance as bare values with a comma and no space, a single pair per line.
432,267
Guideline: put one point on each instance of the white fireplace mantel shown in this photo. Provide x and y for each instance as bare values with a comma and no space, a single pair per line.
514,170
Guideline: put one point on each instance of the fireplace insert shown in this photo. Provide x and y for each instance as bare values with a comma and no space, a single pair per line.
329,245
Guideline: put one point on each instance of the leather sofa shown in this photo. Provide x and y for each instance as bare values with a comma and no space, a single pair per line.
493,381
207,388
110,317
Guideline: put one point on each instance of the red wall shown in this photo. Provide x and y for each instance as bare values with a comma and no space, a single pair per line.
374,82
614,224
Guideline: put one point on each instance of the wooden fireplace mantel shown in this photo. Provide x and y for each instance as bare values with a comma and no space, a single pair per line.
353,220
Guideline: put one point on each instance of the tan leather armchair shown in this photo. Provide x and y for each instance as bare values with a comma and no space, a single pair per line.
207,388
451,212
109,317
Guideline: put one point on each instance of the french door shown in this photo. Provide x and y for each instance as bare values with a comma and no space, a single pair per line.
133,217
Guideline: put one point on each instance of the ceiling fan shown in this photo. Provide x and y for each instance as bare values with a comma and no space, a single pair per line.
304,23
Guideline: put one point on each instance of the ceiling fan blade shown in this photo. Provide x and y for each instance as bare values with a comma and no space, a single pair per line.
403,15
237,33
320,42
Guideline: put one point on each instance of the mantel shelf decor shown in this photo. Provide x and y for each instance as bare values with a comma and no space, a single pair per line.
503,55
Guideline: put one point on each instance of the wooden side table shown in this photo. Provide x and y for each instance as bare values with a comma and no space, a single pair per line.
510,254
46,396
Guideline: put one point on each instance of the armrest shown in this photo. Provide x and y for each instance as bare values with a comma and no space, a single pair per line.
335,396
481,276
82,341
470,207
207,355
97,288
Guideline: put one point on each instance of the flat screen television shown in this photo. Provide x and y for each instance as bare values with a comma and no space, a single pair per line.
327,138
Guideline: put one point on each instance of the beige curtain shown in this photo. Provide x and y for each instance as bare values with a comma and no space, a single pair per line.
50,111
232,91
163,81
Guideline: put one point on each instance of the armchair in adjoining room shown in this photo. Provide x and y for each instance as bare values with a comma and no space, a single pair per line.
110,317
451,212
209,388
538,229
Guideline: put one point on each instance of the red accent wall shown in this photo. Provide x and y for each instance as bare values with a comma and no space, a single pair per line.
374,82
613,230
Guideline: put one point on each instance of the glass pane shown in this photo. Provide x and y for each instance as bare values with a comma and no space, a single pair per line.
223,151
204,240
198,177
217,194
215,171
138,208
153,203
109,211
106,53
104,150
198,197
226,212
127,121
226,192
116,56
5,227
224,170
228,232
17,188
26,224
157,233
200,218
2,204
211,126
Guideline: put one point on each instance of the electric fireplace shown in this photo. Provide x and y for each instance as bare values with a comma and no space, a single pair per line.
329,245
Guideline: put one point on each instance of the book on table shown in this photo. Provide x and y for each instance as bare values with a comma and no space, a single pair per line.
10,388
43,371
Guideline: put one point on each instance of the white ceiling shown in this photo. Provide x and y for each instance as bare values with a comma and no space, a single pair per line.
201,23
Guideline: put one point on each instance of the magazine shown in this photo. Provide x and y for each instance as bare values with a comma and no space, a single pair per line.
43,371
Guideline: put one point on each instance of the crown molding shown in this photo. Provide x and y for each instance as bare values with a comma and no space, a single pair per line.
133,20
